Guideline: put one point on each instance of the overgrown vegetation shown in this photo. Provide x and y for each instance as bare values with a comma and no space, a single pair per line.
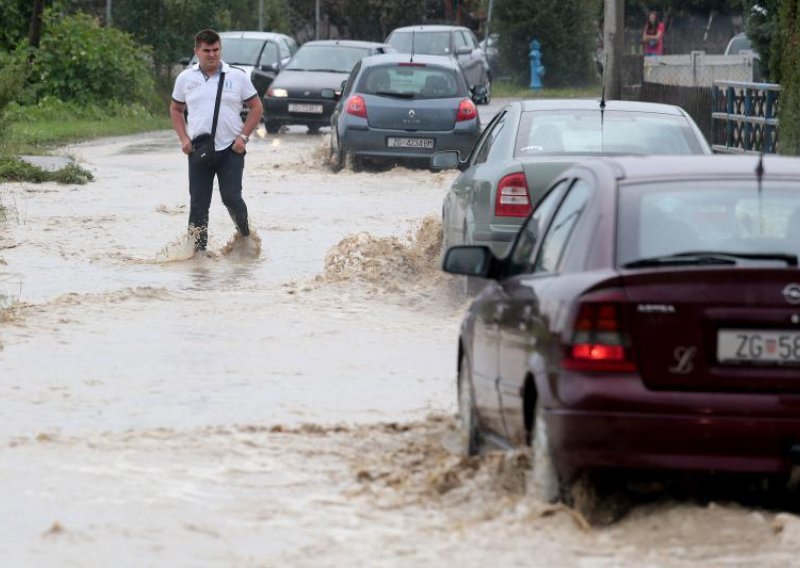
15,169
565,29
788,42
513,90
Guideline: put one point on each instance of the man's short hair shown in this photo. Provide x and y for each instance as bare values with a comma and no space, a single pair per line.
206,36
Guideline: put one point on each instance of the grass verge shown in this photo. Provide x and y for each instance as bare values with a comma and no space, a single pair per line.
514,90
36,129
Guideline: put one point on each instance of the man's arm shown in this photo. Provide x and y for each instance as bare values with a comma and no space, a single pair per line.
255,111
179,124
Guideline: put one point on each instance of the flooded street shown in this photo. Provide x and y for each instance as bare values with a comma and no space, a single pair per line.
292,408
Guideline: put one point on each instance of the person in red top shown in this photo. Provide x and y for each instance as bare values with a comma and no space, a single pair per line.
653,35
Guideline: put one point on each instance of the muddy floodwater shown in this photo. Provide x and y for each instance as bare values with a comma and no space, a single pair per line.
288,406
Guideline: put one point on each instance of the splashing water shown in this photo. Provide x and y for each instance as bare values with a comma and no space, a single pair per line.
243,248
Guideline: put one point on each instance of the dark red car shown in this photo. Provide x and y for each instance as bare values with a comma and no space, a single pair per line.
647,317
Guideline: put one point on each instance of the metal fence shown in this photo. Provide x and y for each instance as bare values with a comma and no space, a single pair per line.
745,117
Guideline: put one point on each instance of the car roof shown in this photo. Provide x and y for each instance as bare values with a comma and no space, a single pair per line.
345,43
384,58
252,35
634,169
594,104
428,28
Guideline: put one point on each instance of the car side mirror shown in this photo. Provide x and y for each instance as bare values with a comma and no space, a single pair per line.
445,160
478,93
270,67
468,260
463,51
343,85
184,61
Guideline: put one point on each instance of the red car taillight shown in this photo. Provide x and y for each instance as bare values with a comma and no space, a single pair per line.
599,341
356,106
466,110
511,199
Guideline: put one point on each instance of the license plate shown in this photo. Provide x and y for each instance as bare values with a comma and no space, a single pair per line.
426,143
771,347
308,109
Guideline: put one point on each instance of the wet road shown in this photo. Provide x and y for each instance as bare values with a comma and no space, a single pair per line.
288,409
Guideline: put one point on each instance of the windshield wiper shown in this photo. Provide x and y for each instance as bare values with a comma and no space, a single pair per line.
395,94
710,257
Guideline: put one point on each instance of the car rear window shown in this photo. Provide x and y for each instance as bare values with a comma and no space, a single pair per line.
617,132
428,43
411,81
331,58
666,218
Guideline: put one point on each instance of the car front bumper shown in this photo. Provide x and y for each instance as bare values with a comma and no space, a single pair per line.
276,110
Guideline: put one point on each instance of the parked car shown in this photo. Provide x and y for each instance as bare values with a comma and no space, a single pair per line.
739,43
529,142
308,87
395,107
647,317
261,54
453,41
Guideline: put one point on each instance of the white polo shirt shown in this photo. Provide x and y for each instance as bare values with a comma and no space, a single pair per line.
199,92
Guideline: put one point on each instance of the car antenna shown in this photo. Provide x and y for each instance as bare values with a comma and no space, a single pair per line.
412,46
603,99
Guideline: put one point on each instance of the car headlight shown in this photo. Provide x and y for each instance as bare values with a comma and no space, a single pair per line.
279,93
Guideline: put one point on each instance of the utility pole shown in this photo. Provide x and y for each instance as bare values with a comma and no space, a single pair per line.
108,13
316,20
613,35
489,21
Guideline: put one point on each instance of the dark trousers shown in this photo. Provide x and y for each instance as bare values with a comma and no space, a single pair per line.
228,167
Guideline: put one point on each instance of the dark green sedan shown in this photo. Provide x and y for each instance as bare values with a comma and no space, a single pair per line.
530,142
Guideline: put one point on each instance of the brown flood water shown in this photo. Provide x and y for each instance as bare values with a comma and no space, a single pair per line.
283,403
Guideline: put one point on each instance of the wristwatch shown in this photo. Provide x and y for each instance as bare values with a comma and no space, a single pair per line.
244,138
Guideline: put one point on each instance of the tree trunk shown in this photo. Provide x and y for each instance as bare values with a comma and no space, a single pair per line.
35,32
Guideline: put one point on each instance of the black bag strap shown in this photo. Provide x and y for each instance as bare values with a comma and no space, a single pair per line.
216,104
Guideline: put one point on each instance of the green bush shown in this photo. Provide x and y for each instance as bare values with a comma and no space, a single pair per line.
565,29
78,60
12,78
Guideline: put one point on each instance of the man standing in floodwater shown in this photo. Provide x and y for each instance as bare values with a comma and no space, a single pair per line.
195,91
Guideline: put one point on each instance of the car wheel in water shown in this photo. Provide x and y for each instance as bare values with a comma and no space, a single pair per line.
543,485
470,432
488,97
272,126
336,157
352,162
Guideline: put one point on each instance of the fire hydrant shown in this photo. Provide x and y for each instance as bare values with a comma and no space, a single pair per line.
537,69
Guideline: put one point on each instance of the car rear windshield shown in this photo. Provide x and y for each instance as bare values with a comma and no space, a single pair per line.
667,218
241,51
616,132
412,81
428,43
331,58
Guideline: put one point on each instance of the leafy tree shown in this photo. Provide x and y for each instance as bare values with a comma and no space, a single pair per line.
16,18
761,18
566,30
82,61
